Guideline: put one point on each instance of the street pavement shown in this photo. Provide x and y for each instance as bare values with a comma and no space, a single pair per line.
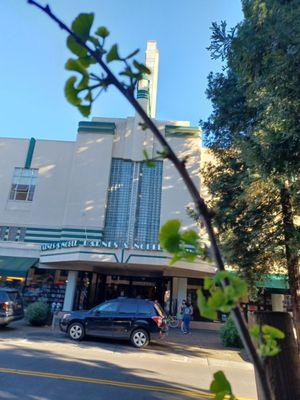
39,364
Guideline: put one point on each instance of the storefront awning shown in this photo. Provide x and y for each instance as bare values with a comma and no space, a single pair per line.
275,283
15,266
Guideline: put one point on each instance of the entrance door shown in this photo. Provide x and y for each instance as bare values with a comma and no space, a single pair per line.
100,321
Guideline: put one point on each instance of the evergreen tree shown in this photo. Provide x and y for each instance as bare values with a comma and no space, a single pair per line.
254,134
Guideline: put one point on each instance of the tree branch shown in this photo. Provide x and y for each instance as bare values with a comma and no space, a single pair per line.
198,200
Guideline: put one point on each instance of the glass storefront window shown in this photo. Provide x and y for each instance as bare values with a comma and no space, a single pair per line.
95,288
45,284
12,282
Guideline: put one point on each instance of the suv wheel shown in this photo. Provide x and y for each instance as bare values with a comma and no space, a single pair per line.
140,338
76,331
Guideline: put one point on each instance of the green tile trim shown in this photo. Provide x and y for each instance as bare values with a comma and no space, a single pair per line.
183,135
193,128
95,124
182,131
144,94
82,230
37,235
30,151
43,229
64,237
40,241
64,230
98,127
97,130
80,236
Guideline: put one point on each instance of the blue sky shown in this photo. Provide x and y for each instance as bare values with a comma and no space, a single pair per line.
33,54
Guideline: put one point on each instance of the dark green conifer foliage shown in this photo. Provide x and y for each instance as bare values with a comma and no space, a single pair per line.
254,134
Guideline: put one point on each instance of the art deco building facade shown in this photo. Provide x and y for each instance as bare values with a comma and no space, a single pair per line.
79,220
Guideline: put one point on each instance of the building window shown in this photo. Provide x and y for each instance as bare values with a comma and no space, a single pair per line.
22,234
147,219
134,201
2,232
23,184
12,234
119,199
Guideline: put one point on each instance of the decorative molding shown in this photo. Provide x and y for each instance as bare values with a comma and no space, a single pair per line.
142,94
47,235
80,252
182,131
30,151
97,127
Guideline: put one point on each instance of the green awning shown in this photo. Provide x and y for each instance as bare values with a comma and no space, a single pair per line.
15,266
275,283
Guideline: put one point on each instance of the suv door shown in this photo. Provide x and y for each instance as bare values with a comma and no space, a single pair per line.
99,321
124,319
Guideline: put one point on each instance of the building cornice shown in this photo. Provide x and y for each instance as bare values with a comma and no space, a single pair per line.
178,131
97,127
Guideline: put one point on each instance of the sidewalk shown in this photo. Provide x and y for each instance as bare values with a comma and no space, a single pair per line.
211,326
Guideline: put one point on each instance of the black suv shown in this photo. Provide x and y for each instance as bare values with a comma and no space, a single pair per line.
11,306
132,319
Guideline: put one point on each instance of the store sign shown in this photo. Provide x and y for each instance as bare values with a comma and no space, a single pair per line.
66,244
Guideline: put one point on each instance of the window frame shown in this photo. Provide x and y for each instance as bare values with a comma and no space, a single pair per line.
18,188
130,183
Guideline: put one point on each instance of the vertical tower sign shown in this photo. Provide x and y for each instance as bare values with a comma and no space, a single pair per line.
152,59
147,87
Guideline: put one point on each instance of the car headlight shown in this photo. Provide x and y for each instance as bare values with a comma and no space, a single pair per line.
66,316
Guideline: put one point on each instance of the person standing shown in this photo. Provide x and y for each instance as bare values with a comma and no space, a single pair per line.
186,318
180,314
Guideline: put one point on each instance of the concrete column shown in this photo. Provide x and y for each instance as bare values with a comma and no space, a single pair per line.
179,290
57,276
70,290
277,302
182,289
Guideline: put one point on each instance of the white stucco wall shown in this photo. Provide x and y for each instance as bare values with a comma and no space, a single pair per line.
73,178
12,154
87,191
53,159
130,141
175,196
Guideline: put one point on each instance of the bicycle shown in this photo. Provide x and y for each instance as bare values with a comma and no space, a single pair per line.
172,321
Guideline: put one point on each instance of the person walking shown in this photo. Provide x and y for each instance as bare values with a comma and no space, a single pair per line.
186,318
